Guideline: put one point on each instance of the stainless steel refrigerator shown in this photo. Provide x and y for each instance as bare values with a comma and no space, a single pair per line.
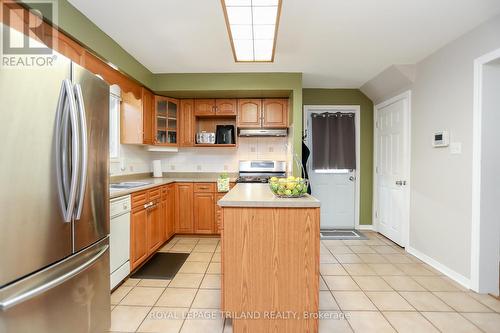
54,199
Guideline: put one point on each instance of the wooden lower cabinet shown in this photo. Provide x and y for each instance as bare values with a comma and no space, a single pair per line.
218,214
155,235
204,213
138,237
169,211
184,208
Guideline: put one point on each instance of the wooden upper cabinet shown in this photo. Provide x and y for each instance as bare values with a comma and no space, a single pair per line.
184,208
131,122
204,107
165,121
204,213
249,113
147,116
186,123
275,113
226,107
65,45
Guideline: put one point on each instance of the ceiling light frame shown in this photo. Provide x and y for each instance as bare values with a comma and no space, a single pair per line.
231,40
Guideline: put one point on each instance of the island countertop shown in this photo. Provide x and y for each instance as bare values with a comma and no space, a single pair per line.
260,195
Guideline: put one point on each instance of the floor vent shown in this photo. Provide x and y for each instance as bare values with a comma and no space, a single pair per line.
342,234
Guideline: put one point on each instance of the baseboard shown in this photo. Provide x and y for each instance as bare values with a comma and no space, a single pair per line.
368,227
459,278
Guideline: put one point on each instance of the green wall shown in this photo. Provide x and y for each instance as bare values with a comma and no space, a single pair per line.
353,97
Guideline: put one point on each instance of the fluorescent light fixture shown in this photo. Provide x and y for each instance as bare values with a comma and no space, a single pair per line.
252,26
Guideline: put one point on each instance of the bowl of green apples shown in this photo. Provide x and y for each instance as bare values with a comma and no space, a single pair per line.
288,187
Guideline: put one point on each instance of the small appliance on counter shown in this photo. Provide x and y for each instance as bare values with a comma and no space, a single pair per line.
260,171
224,134
205,137
157,173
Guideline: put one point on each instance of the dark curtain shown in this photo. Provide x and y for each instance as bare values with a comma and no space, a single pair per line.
333,141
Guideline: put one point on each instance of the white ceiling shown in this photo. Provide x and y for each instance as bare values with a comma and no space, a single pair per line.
334,43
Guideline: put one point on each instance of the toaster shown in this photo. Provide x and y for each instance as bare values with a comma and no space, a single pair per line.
205,137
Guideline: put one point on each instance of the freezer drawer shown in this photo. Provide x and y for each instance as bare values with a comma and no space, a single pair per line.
70,296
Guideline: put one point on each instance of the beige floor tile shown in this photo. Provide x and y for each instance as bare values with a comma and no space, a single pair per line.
322,284
340,249
361,249
203,321
127,318
210,248
332,269
187,241
487,300
164,320
186,281
414,269
217,249
333,321
177,297
119,294
353,301
389,301
327,259
207,299
209,241
326,301
154,283
386,269
372,283
450,322
462,302
194,267
211,281
199,256
348,258
214,268
332,242
340,282
435,283
182,248
359,269
409,322
372,258
131,282
384,249
142,296
372,322
403,283
397,258
352,241
425,301
216,257
373,242
488,322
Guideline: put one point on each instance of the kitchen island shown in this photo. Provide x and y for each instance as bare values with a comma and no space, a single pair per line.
270,260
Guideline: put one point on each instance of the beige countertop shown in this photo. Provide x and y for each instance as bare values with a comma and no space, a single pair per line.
154,182
260,195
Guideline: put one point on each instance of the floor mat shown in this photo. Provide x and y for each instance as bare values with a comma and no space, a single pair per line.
342,234
161,266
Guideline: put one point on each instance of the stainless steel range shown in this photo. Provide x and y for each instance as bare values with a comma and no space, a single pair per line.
260,171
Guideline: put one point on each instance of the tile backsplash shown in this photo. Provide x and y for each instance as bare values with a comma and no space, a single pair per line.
135,159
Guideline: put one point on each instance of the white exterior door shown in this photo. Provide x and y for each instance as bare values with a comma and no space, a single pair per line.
392,168
336,189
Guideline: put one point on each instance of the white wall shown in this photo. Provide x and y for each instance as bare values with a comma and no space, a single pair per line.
133,159
442,98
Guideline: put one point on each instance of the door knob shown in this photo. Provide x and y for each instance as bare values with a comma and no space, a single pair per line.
352,178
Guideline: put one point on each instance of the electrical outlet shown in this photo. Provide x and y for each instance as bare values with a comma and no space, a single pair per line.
198,167
172,167
252,149
131,168
271,149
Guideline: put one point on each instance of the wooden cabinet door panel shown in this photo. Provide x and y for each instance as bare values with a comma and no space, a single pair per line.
275,113
147,116
226,107
170,211
249,113
204,107
204,213
184,208
186,125
131,131
138,237
218,214
154,227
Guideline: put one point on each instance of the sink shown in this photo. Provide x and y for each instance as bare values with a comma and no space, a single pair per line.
127,185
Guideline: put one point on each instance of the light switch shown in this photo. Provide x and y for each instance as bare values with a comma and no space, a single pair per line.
456,148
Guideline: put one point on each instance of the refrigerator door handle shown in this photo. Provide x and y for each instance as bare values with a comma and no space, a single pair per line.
67,192
84,150
17,296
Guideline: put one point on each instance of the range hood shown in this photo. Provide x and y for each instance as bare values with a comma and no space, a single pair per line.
263,132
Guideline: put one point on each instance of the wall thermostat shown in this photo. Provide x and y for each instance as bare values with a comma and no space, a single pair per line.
441,139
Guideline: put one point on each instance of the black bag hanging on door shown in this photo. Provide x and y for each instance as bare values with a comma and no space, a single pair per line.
305,156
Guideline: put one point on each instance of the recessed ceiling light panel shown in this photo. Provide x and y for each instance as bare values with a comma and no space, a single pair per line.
252,26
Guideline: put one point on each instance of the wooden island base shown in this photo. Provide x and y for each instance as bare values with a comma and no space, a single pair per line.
270,268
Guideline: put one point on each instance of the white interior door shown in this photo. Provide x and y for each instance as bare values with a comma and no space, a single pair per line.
336,189
392,168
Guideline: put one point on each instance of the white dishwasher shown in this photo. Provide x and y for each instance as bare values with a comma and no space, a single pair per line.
119,239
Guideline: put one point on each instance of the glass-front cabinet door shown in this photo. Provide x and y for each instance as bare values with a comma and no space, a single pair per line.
166,121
